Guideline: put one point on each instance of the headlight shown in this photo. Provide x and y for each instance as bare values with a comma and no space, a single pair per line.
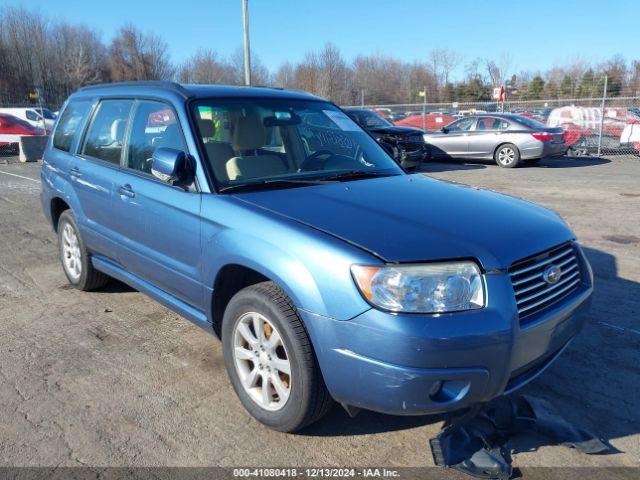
427,288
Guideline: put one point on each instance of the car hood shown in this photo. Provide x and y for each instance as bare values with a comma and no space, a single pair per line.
413,218
397,130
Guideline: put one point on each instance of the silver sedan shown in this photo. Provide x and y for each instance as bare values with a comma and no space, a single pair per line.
507,139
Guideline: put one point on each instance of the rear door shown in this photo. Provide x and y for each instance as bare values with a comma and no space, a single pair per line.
486,136
93,171
158,225
452,140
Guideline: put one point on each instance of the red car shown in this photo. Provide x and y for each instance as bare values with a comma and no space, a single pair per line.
11,128
433,121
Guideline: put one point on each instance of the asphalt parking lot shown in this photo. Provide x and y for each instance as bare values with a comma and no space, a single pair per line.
111,378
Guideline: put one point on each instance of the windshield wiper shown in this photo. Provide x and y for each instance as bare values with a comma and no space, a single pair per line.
275,182
357,174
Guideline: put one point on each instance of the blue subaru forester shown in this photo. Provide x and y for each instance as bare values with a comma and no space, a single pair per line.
270,218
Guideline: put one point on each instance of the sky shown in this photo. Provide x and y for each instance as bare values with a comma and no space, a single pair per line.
535,35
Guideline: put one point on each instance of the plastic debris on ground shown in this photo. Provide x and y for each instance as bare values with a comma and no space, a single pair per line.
475,443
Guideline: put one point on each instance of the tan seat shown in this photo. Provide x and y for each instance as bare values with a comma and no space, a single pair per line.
248,135
219,154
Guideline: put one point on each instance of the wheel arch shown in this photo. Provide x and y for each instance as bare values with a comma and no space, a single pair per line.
502,144
56,207
230,279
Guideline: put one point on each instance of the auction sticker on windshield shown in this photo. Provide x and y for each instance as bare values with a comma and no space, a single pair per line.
341,120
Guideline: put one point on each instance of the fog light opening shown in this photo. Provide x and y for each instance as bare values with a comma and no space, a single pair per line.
446,391
435,389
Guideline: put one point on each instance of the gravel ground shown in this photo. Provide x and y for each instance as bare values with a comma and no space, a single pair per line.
111,378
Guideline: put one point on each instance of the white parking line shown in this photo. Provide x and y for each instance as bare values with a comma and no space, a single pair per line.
20,176
619,328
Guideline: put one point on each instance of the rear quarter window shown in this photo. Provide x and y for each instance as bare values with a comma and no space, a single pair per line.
69,123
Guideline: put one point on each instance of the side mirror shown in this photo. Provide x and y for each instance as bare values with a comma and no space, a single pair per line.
171,166
444,130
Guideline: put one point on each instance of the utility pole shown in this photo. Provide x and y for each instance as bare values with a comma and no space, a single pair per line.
424,107
247,51
604,98
362,97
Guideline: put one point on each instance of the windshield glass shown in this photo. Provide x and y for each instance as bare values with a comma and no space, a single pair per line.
258,141
368,119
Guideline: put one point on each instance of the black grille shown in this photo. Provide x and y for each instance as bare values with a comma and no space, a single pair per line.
533,292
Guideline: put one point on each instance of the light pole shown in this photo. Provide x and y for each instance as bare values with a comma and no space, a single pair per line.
247,57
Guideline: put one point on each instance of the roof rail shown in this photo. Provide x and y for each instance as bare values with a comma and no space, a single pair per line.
176,87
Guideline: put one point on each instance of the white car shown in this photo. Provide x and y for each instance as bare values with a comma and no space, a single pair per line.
36,116
630,136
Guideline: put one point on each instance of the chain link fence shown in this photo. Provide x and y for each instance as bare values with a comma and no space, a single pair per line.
592,126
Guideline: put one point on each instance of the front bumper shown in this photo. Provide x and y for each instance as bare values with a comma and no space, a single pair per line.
425,364
411,152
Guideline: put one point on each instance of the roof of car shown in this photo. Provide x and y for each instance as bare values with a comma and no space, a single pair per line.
195,91
510,116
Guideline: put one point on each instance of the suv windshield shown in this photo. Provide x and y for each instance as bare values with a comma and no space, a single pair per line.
368,119
281,142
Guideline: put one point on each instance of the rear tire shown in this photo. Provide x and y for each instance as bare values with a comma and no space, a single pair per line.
75,259
507,156
253,363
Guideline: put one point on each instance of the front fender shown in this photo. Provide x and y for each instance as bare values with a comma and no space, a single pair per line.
311,267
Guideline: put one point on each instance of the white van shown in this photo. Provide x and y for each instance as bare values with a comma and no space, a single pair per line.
36,116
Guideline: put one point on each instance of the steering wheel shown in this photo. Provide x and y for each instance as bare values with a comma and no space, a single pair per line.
315,157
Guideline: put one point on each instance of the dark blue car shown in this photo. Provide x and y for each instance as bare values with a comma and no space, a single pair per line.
270,218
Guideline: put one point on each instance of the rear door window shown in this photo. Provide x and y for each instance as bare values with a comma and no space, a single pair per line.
68,124
461,125
487,123
105,136
154,126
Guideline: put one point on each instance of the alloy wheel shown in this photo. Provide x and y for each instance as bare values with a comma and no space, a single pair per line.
506,156
71,254
261,361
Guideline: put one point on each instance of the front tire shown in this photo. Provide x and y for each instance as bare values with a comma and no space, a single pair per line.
270,360
76,261
507,156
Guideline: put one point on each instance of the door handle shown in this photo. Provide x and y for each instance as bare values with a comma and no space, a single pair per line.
75,172
126,191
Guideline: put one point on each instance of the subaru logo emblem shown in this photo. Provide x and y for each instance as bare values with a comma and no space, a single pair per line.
552,274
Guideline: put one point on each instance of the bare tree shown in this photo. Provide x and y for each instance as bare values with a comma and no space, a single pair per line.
285,76
443,62
259,73
307,73
382,78
135,55
82,57
58,57
206,67
499,70
334,74
22,34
